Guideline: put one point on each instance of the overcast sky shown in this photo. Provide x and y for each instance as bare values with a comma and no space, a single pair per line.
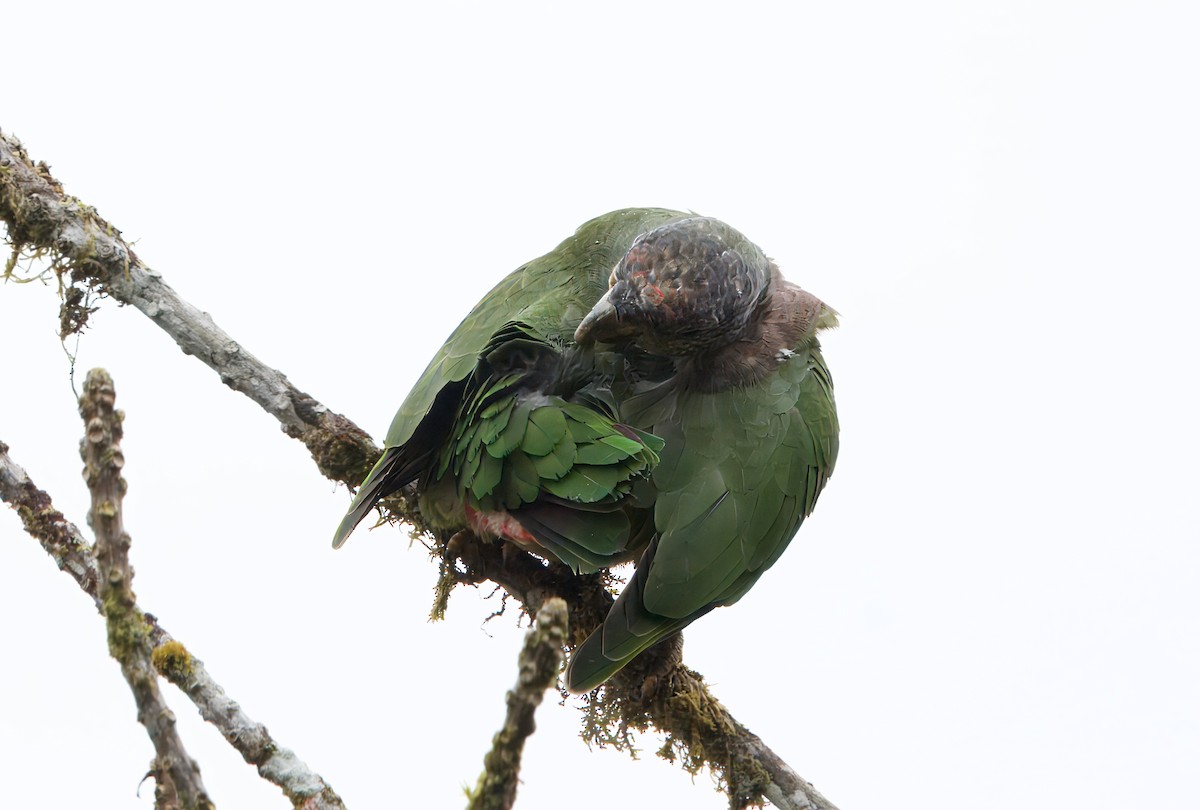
995,603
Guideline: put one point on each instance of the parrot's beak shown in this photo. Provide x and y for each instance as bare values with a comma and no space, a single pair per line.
603,324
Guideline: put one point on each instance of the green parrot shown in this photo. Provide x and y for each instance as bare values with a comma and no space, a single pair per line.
747,419
653,387
512,430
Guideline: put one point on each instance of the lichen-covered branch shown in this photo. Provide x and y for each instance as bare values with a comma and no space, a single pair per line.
176,775
306,789
90,253
538,666
60,537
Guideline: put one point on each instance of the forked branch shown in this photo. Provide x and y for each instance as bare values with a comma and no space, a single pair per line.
63,540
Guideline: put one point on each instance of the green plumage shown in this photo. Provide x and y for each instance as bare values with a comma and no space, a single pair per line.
748,423
548,296
739,472
573,452
680,409
510,411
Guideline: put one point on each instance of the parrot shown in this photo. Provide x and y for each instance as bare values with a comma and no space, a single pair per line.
701,425
512,429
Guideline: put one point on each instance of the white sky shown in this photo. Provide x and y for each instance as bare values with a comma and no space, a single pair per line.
996,602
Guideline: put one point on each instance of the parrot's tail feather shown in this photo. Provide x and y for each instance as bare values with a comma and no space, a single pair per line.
628,631
589,667
390,473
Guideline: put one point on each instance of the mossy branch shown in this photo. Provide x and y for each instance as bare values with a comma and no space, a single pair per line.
655,691
305,789
177,777
89,253
89,256
60,538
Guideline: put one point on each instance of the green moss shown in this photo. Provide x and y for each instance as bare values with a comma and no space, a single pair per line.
698,732
441,590
173,662
127,631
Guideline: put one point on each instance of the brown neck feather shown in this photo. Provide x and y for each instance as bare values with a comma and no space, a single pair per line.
786,317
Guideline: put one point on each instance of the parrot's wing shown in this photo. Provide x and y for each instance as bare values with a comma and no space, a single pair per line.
548,297
550,294
563,469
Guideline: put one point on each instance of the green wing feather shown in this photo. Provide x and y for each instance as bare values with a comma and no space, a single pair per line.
538,305
514,449
739,472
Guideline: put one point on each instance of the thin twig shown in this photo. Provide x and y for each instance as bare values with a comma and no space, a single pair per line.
538,666
40,216
278,765
177,777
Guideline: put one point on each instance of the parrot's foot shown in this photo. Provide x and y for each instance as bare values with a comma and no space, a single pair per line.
464,547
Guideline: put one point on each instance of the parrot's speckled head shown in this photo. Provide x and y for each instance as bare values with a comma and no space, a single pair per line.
682,289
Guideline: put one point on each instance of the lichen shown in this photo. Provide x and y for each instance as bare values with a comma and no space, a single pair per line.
43,226
172,660
447,579
127,631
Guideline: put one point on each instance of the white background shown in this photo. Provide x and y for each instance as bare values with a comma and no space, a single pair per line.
996,601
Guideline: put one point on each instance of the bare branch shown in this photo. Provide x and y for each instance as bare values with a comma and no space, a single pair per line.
539,663
40,217
177,777
276,764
